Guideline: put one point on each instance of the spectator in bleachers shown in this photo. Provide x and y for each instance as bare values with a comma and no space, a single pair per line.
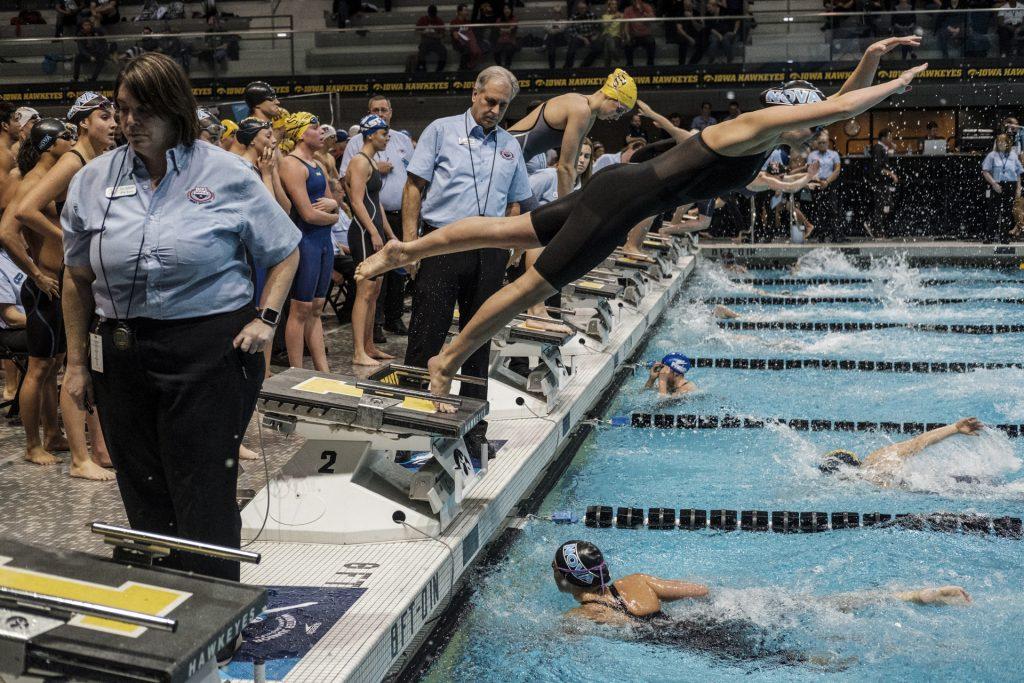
1010,28
431,30
621,157
639,33
506,42
734,110
977,43
581,36
92,49
104,12
704,119
904,23
612,32
464,39
635,128
678,31
874,21
949,29
215,46
839,7
721,33
68,12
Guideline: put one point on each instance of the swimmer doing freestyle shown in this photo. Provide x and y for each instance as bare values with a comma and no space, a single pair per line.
635,602
581,229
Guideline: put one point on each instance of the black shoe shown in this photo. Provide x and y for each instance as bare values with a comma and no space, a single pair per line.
398,327
476,442
378,335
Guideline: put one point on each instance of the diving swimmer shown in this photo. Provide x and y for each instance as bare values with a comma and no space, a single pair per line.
882,466
581,229
669,375
635,601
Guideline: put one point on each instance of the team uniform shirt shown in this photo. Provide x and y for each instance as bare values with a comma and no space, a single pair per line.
606,160
398,153
828,162
191,233
537,163
339,231
470,173
1004,168
776,162
700,122
544,184
11,279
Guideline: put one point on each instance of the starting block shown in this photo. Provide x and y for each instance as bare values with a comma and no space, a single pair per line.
665,245
512,395
347,483
656,265
75,616
633,281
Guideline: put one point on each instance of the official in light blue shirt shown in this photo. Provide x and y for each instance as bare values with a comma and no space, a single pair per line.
193,231
161,324
828,161
469,172
11,279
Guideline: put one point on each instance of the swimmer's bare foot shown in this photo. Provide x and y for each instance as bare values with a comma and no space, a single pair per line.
553,326
40,456
440,383
102,458
365,360
246,453
92,471
378,354
56,443
391,256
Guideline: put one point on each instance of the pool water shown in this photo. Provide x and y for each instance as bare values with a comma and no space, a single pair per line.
786,583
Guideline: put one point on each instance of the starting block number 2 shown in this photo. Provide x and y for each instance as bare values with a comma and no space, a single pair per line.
329,458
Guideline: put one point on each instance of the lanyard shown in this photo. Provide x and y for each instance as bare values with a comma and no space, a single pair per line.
472,163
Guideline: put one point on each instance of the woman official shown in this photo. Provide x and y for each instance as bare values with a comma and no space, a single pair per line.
1002,171
158,305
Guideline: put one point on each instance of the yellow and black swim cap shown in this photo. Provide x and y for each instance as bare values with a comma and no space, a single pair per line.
620,87
833,459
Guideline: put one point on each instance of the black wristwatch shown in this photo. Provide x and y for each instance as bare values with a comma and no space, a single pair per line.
269,316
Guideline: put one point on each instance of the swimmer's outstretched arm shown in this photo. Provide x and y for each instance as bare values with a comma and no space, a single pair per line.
672,589
864,74
895,453
676,133
942,595
757,131
765,181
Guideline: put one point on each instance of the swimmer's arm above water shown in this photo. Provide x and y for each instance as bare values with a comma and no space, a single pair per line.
672,589
941,595
903,450
864,74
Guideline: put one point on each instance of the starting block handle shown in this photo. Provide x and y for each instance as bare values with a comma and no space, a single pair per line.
390,391
13,598
422,372
527,316
146,541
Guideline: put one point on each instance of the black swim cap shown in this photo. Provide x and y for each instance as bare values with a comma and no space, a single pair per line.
258,92
249,128
45,133
792,93
833,459
582,564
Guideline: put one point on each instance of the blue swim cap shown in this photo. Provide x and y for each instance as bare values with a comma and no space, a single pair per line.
677,362
371,123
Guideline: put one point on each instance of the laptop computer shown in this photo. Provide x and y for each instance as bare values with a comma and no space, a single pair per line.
934,147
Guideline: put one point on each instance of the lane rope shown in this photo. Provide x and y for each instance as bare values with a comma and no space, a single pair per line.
848,364
936,282
865,326
807,300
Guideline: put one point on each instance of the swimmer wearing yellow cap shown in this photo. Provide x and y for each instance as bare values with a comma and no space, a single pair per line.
227,137
882,467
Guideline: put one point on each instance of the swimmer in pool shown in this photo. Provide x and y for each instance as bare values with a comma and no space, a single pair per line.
882,466
636,600
669,375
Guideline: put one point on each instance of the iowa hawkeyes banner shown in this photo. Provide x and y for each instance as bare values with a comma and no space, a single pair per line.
739,75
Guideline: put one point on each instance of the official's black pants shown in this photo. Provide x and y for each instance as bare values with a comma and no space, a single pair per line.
999,221
391,300
174,408
467,278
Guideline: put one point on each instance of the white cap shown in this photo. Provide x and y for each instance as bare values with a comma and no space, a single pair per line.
353,130
25,114
327,131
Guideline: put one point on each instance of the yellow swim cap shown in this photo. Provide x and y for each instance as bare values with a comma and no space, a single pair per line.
230,128
296,124
280,120
621,87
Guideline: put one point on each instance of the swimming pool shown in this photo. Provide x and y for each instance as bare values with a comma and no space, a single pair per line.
514,632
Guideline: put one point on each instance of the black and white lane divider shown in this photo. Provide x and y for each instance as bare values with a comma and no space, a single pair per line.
848,364
865,326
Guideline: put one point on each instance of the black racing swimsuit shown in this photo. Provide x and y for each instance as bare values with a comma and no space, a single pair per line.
581,229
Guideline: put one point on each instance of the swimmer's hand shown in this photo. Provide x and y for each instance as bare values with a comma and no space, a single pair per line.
969,426
884,47
943,595
907,77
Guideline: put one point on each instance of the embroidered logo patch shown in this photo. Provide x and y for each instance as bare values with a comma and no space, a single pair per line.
507,155
200,195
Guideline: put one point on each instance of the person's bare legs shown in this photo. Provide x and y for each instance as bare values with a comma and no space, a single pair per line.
295,331
100,454
11,373
371,347
40,371
314,334
53,437
362,324
496,312
476,232
540,310
635,238
82,465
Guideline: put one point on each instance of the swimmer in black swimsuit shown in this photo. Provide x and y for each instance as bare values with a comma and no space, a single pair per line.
581,229
634,601
882,466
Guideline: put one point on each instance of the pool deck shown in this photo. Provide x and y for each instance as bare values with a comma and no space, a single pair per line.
916,251
406,582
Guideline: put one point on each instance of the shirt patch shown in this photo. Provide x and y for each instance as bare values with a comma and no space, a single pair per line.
200,195
507,155
19,278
